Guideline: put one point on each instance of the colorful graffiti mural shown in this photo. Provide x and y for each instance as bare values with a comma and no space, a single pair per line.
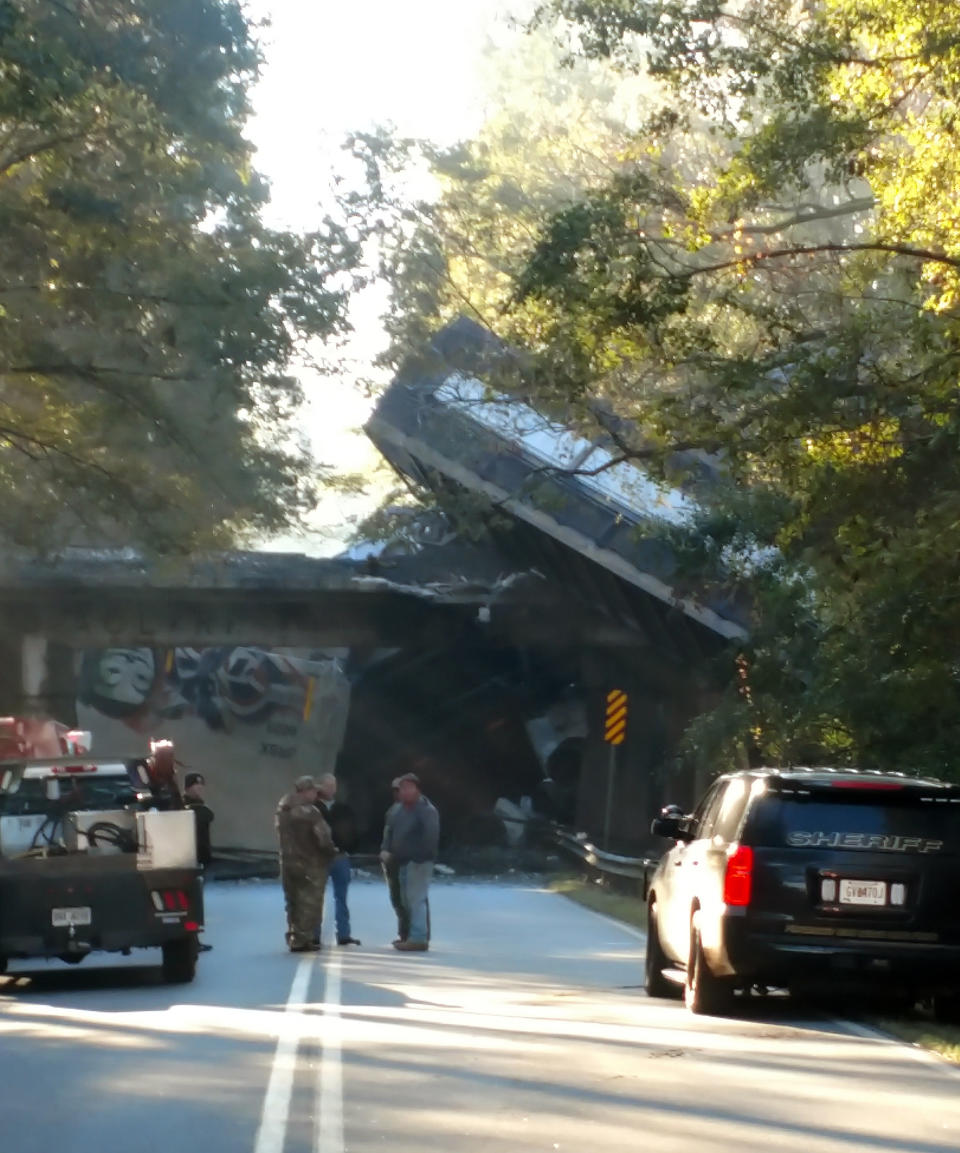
250,719
224,687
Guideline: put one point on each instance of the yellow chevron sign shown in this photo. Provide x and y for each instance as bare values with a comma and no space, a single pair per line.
615,728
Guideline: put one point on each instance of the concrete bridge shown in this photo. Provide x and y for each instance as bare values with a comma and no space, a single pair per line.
98,598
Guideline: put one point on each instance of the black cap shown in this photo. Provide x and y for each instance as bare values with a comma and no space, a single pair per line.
193,779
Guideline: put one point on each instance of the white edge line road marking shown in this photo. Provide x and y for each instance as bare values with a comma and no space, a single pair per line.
926,1056
328,1126
276,1103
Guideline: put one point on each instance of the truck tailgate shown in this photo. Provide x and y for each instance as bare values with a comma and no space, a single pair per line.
77,904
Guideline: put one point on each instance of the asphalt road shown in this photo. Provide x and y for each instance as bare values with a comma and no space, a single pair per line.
524,1029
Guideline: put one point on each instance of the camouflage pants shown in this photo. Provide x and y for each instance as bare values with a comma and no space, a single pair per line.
303,891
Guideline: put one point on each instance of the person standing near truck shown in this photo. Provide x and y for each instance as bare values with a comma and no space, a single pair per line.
343,826
414,838
194,798
306,850
391,870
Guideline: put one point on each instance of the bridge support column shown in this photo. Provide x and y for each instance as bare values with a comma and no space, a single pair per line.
37,677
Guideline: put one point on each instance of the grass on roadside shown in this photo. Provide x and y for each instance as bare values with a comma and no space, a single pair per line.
621,906
916,1029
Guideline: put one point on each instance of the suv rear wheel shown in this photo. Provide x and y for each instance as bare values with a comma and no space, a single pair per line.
703,992
655,983
946,1008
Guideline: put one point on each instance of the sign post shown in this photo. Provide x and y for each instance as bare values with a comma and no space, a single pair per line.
614,733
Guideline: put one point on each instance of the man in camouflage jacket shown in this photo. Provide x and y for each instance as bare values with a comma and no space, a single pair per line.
306,850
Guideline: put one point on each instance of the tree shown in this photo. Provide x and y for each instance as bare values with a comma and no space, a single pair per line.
148,318
550,134
793,307
769,273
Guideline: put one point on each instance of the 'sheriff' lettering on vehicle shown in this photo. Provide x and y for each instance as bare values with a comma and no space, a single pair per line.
880,841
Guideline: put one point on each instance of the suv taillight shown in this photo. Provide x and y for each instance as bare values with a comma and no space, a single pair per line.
739,875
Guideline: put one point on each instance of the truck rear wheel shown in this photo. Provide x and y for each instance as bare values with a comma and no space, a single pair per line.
180,961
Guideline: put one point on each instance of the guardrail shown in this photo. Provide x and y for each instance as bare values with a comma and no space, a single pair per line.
248,862
578,845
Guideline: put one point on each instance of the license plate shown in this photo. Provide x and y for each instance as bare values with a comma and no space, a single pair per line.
863,892
78,915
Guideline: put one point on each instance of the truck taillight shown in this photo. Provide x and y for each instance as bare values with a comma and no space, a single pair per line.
739,876
170,900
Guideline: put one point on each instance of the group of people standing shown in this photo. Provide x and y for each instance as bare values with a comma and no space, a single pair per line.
317,833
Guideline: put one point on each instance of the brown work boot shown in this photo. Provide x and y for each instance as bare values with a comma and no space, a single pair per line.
411,946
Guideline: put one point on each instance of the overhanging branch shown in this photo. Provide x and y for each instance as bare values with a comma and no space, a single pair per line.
930,255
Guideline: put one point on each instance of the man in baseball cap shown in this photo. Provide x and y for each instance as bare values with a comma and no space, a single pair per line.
410,845
306,850
391,871
194,786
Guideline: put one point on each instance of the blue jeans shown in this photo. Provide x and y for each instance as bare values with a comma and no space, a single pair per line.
340,878
414,887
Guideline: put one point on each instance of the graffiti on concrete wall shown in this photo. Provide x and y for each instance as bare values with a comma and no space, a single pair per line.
251,719
250,692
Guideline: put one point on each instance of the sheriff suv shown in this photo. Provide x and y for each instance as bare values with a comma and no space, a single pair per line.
812,880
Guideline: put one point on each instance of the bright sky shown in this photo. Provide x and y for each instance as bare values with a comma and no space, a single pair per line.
333,68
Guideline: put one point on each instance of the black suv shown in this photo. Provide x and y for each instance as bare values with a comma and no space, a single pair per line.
811,880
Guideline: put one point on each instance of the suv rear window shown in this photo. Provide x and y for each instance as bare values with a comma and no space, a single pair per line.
905,824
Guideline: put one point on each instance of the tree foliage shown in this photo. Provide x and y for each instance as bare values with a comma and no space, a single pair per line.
550,135
770,274
148,318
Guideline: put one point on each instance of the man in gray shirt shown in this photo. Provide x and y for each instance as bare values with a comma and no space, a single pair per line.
391,870
410,839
